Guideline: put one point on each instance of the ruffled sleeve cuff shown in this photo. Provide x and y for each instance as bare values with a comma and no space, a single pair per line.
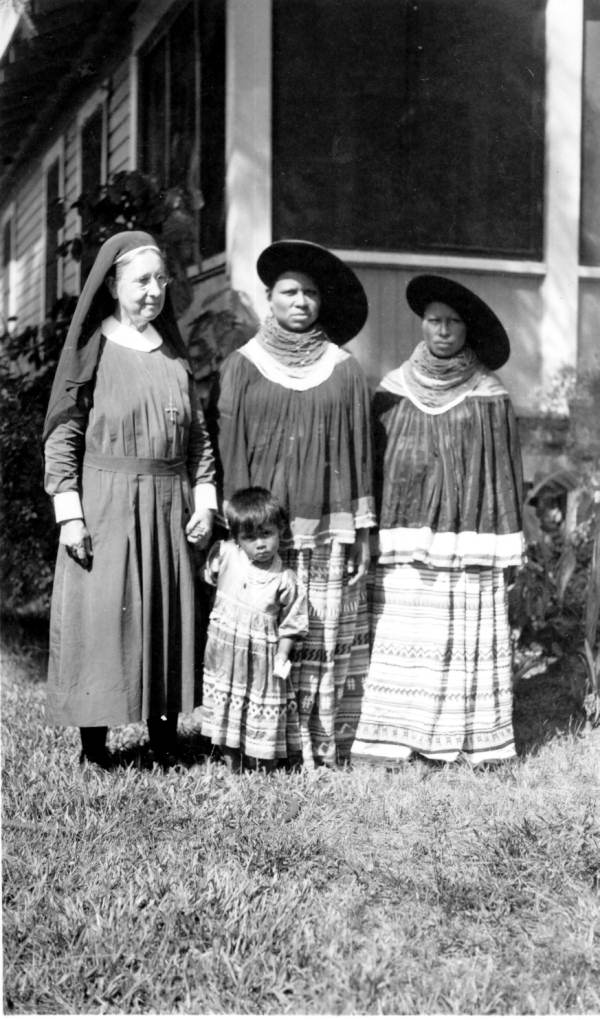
450,550
67,506
293,617
364,513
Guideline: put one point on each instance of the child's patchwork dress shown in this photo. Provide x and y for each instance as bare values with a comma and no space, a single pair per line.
245,705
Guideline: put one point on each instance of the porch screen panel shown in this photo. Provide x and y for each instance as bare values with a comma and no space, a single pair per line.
410,125
53,225
590,176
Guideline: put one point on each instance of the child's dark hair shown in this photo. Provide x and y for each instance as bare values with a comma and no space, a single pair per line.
251,509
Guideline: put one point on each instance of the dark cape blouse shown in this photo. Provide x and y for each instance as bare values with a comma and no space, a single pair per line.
448,480
310,446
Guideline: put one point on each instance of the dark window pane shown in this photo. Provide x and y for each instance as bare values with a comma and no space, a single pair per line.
396,126
153,101
590,207
182,87
53,224
212,119
91,178
183,91
6,261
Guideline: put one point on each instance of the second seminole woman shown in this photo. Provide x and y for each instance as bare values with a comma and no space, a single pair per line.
449,485
293,416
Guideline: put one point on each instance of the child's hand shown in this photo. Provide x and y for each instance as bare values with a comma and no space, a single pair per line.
199,527
281,667
360,556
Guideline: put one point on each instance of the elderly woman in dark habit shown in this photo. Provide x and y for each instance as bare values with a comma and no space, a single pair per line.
293,417
130,469
449,483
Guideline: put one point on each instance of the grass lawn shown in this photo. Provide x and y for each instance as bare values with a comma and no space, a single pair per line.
429,890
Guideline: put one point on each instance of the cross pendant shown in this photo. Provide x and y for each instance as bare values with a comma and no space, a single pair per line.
172,412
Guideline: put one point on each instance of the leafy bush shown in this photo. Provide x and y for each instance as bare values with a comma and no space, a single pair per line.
555,600
131,200
27,365
226,320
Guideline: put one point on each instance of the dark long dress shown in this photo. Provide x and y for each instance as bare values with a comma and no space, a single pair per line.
122,633
307,439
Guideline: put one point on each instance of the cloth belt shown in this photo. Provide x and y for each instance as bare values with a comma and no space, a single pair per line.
135,465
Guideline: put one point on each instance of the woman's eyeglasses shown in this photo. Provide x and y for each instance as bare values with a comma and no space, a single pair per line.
161,280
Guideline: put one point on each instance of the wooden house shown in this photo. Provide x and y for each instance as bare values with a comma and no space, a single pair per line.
459,137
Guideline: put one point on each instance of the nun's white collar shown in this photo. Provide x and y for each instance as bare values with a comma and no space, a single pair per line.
126,336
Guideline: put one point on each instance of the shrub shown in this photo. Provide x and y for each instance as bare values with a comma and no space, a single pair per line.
226,320
131,200
555,600
27,365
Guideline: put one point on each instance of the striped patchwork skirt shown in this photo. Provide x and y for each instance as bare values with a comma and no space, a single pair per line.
330,665
439,681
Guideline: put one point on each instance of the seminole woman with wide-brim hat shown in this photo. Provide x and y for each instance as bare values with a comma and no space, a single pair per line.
449,487
293,417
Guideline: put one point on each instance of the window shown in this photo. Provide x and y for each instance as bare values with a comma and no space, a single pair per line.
182,130
410,125
54,220
92,176
590,170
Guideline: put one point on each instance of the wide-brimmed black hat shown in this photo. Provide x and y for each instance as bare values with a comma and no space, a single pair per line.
344,306
485,333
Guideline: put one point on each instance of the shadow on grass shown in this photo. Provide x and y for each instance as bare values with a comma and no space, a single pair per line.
544,705
26,635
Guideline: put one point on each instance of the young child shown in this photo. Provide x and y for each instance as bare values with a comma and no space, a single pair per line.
249,706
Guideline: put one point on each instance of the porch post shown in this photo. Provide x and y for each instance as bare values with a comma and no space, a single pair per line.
560,289
249,47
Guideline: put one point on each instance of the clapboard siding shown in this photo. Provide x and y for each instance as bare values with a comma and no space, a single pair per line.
29,255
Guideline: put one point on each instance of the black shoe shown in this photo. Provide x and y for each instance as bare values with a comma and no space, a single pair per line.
93,747
162,734
100,761
164,759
